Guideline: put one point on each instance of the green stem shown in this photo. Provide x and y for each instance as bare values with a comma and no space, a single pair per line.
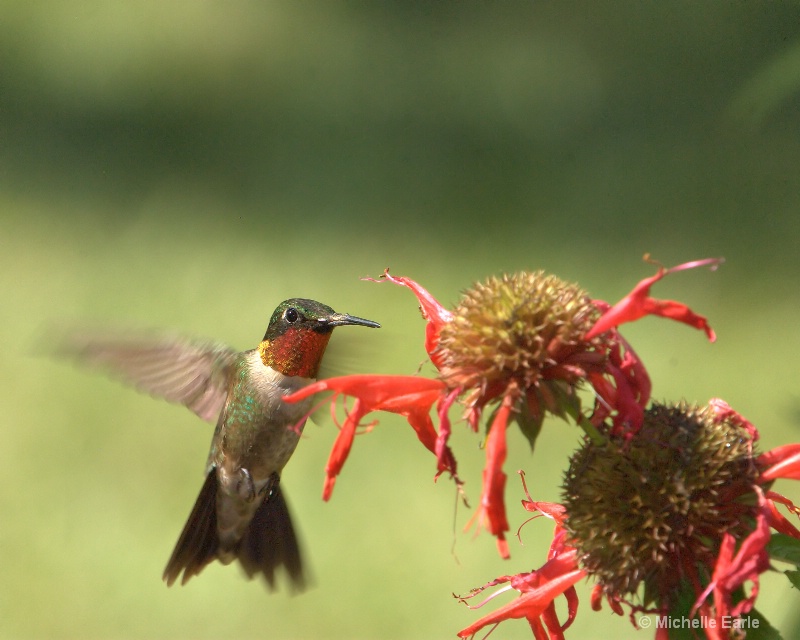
590,430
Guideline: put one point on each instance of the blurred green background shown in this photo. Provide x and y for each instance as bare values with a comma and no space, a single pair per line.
189,165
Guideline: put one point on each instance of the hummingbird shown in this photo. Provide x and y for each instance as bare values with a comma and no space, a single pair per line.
241,513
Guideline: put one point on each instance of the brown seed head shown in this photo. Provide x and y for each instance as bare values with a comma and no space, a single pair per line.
642,511
518,334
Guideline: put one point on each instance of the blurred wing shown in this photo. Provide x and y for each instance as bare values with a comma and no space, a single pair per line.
194,374
347,354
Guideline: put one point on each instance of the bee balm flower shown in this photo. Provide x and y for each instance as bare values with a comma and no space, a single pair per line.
675,521
521,345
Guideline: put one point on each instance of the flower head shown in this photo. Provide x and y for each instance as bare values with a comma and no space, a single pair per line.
644,513
522,346
680,513
521,336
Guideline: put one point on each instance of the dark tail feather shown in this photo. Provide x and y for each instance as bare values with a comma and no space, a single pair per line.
198,543
270,542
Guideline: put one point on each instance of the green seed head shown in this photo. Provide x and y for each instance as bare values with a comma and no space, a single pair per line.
520,334
642,511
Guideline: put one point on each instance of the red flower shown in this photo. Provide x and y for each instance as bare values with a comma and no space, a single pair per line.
715,564
525,343
734,568
638,304
538,589
409,396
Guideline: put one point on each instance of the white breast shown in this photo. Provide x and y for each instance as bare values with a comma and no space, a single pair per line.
272,385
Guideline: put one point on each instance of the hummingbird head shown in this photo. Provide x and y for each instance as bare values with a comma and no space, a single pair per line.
298,333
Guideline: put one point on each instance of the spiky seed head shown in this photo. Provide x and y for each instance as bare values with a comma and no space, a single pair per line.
520,334
641,510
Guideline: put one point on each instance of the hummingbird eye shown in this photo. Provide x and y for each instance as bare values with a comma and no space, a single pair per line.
290,315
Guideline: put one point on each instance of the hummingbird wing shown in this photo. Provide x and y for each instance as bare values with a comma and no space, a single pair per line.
192,373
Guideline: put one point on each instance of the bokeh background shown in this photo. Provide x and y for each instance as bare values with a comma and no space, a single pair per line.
188,165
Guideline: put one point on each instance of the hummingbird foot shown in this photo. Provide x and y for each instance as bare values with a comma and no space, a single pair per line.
271,486
247,490
245,487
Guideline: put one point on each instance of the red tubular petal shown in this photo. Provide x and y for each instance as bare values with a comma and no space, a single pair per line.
529,605
410,396
777,497
389,393
596,599
629,394
777,520
781,462
638,304
554,567
539,589
724,413
444,456
494,478
572,607
308,391
422,424
732,570
638,378
432,311
552,510
341,448
551,617
539,632
630,413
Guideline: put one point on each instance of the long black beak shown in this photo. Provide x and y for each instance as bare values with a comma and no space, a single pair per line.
340,319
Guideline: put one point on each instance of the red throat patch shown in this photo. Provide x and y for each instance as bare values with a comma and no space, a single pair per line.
298,352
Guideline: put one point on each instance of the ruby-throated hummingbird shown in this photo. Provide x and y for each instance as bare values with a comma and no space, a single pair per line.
240,512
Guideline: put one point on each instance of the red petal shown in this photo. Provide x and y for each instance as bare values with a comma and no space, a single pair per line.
732,571
554,567
628,395
539,588
390,393
444,455
781,462
555,628
432,311
494,479
529,605
638,304
410,396
776,519
341,448
724,413
422,424
552,510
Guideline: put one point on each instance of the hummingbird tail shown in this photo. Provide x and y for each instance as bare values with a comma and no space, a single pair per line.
198,543
270,542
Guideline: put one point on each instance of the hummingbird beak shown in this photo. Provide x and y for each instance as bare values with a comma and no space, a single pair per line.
339,319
